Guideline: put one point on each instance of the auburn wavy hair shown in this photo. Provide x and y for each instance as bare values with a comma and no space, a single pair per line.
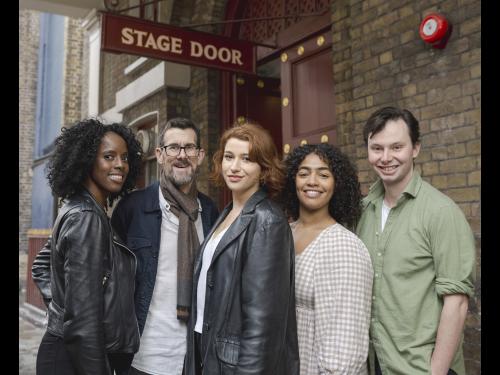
262,151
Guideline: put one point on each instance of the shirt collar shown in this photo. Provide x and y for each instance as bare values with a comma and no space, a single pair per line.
377,189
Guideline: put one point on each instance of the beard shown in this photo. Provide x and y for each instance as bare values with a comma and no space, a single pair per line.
179,180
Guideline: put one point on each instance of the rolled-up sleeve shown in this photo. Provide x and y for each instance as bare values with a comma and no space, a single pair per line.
453,251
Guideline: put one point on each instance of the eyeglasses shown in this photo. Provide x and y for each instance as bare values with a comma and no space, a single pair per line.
174,150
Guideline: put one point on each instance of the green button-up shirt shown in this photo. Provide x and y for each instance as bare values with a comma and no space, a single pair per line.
425,251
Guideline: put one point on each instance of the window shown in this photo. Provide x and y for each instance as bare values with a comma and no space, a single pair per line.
146,129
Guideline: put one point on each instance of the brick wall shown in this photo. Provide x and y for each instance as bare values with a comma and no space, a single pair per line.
200,102
84,104
379,59
29,25
205,94
73,67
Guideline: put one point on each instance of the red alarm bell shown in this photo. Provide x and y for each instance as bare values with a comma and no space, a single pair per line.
435,30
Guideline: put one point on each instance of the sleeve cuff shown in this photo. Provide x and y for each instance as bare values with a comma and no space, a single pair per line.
448,286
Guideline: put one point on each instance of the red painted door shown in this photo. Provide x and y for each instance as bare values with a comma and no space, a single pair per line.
307,95
258,98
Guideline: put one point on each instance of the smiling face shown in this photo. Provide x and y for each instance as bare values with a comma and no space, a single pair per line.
240,174
391,154
110,168
180,169
314,184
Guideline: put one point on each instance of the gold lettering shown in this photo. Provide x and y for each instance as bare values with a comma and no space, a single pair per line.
176,45
140,34
224,54
236,57
151,42
210,52
127,37
196,49
163,43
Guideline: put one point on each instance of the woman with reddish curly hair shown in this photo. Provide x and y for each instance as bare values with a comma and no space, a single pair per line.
243,318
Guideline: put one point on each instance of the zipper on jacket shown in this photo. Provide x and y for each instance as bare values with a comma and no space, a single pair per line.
106,277
135,272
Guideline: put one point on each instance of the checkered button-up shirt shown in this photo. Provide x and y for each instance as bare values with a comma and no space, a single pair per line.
333,294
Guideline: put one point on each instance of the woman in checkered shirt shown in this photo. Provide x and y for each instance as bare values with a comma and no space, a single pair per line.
333,271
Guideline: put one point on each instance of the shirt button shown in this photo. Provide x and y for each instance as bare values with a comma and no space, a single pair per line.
376,275
373,298
379,254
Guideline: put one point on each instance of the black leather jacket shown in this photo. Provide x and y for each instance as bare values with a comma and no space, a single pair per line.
249,323
86,275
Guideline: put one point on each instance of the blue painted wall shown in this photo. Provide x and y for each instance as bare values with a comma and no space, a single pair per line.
42,204
50,82
48,114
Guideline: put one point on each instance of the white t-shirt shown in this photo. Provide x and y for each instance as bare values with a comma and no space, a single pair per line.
385,213
208,254
163,341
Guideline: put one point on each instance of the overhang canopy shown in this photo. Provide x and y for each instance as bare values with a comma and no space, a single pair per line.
70,8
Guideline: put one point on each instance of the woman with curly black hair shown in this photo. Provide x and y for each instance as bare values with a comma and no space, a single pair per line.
84,273
333,281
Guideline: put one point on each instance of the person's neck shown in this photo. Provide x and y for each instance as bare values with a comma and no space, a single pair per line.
100,198
393,192
239,200
315,219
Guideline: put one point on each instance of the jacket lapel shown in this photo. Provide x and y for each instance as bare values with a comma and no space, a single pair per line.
233,232
240,224
219,220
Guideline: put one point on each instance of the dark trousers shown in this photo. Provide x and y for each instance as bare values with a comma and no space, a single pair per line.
53,358
378,371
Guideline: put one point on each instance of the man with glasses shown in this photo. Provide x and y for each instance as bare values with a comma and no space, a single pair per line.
163,225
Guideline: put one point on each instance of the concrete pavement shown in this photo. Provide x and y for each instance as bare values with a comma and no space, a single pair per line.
29,339
31,326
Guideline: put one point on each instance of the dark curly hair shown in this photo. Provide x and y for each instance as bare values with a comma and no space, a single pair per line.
75,152
345,205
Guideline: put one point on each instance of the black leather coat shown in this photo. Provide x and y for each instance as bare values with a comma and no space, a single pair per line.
249,324
88,283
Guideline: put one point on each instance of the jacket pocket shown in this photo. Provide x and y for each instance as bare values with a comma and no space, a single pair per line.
228,350
143,251
55,319
136,243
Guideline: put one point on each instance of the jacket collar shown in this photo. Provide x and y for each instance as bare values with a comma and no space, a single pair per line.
236,228
87,196
153,202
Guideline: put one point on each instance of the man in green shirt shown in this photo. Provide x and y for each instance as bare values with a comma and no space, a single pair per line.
423,256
